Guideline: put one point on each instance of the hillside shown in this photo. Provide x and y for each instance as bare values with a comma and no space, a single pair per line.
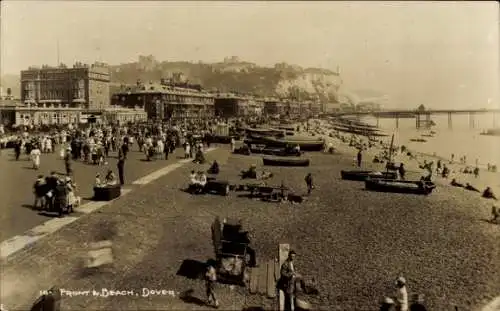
231,75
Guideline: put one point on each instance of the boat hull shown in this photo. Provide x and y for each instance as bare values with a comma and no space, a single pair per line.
312,145
363,175
397,186
285,162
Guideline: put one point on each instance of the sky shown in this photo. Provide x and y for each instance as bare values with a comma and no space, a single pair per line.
440,54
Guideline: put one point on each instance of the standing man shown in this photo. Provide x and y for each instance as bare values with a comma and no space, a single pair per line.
309,183
121,165
288,280
359,157
402,171
67,162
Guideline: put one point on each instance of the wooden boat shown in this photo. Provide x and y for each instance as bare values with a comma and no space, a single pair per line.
400,186
363,132
305,145
285,162
418,140
363,175
265,132
282,152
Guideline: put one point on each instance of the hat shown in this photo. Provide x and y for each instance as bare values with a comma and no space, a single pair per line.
388,301
292,252
68,178
401,280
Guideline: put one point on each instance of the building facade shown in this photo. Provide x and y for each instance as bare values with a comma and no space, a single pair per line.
291,108
124,115
82,86
274,107
233,106
166,102
17,113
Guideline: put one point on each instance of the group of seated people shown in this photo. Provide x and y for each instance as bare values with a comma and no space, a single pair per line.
109,180
487,193
197,181
251,173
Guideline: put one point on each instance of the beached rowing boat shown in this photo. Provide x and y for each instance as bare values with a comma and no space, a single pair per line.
400,186
304,143
286,162
363,175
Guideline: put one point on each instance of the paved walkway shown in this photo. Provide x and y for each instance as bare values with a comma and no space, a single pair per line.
17,178
56,259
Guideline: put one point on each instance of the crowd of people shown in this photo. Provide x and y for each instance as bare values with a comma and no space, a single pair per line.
93,145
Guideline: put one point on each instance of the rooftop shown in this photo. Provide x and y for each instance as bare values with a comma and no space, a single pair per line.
163,89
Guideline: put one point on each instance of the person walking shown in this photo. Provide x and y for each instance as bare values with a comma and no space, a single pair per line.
402,171
359,157
121,165
210,280
309,182
67,162
35,157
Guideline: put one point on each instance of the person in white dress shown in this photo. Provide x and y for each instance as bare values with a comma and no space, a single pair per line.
187,151
48,145
35,157
401,294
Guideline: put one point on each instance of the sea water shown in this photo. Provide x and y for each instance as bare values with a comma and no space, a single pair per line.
459,140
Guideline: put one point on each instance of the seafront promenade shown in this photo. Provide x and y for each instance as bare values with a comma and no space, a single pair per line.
354,242
17,179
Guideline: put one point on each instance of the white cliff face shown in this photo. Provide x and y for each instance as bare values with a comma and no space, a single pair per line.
325,86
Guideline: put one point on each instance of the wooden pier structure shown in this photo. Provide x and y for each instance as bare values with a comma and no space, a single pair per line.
422,117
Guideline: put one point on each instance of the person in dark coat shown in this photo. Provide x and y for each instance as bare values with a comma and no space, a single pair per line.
17,149
49,301
67,162
418,303
402,171
51,184
359,157
289,278
121,165
167,148
309,183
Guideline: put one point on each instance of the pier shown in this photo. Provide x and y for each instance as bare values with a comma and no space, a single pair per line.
422,117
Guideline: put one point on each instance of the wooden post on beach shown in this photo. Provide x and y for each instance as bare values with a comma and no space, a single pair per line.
397,121
449,120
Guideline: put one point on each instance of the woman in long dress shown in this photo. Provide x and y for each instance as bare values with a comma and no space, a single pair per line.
71,197
35,157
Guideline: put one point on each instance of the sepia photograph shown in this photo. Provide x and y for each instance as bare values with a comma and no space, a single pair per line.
249,155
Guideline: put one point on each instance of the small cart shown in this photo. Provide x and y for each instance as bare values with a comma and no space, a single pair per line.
230,246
